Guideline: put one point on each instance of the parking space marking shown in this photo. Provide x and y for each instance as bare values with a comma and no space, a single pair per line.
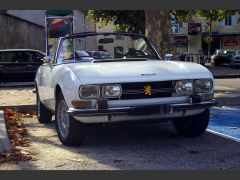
223,135
225,122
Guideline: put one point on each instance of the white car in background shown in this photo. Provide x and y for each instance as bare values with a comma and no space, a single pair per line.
235,60
134,84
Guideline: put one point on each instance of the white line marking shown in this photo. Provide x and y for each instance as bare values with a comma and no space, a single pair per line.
223,135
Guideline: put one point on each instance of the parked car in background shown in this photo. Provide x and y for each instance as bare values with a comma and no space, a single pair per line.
168,57
235,60
19,65
185,56
181,55
99,54
201,58
138,87
83,56
221,56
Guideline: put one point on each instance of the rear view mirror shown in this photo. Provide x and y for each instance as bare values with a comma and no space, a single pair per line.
105,41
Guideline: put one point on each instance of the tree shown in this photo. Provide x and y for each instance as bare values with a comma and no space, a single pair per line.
158,30
124,20
183,15
157,23
209,16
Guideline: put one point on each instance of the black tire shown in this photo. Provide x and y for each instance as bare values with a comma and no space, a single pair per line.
76,130
192,126
44,115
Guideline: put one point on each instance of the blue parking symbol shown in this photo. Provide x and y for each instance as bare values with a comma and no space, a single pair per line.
175,28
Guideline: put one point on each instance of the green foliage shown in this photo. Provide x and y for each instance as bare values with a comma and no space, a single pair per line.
183,15
123,20
213,15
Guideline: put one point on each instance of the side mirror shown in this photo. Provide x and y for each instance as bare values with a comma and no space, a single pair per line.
47,60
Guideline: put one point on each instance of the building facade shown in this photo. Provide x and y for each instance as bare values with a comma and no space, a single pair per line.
26,28
225,34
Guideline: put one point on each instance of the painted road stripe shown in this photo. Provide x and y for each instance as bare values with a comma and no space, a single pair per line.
223,135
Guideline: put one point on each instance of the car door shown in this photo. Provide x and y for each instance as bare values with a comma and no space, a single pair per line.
10,67
19,66
45,88
32,62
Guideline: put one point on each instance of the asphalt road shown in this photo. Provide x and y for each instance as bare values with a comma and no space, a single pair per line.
128,147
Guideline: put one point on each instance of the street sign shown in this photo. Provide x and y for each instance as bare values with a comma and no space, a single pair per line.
175,28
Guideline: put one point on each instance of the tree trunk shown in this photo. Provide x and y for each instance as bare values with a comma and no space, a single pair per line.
158,30
210,38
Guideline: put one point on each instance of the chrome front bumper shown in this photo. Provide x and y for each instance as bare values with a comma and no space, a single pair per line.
141,110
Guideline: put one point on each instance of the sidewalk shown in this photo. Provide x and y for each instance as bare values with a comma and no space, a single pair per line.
221,72
4,141
226,96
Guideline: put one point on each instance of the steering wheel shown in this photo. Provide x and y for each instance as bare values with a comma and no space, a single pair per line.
134,53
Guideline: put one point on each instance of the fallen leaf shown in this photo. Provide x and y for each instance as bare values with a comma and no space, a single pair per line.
16,132
60,165
25,152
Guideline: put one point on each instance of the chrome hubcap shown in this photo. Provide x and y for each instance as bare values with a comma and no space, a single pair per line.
63,118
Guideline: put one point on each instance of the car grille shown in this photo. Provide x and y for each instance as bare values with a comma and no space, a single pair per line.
142,90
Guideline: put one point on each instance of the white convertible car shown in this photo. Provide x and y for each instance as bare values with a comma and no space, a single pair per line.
128,82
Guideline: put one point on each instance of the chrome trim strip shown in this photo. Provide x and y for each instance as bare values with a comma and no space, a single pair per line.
126,110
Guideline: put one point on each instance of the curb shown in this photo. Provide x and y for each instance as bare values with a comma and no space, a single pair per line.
228,101
5,144
31,107
17,85
226,76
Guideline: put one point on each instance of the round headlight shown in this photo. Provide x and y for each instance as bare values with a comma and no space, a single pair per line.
111,91
89,91
184,87
203,85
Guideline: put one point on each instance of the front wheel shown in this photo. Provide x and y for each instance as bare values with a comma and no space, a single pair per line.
70,131
193,125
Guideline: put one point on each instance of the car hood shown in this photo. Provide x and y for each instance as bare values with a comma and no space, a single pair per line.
137,71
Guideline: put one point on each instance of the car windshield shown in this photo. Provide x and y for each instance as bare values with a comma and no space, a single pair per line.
106,47
82,54
230,52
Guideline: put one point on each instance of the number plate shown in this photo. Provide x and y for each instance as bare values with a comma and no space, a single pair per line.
151,110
